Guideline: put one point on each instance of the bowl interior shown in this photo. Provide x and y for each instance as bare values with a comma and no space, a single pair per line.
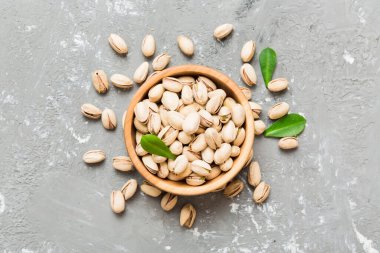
232,90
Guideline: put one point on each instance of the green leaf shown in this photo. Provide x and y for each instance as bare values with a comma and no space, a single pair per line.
154,145
289,125
268,61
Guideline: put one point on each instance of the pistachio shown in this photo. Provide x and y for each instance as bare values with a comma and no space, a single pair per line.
190,108
214,104
172,84
227,165
229,102
175,119
256,109
213,138
222,154
187,95
223,31
118,44
142,112
180,164
248,74
238,115
154,123
277,85
210,85
198,144
129,189
214,172
141,73
254,174
91,111
278,110
176,147
170,100
233,188
206,118
288,143
161,61
235,151
94,156
163,170
200,93
261,192
208,155
217,124
200,167
168,135
186,45
217,93
177,177
149,189
247,92
240,137
164,115
184,138
100,81
138,137
155,93
122,163
191,155
187,216
117,202
187,80
150,165
249,158
191,123
148,45
229,132
140,151
195,179
259,127
109,119
168,201
224,114
121,81
248,51
158,158
153,107
141,127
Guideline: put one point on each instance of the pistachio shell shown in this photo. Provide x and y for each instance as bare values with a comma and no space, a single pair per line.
180,164
94,156
206,118
229,102
175,119
254,174
235,151
117,202
223,31
154,123
187,80
187,216
91,111
178,177
158,159
186,45
168,201
248,51
259,127
214,104
227,165
129,189
148,45
109,119
256,109
155,93
210,85
140,151
191,155
222,154
118,44
234,188
141,127
187,95
163,170
240,137
142,112
138,137
247,92
141,73
121,81
224,114
122,163
190,108
278,110
198,144
208,155
200,93
100,81
191,123
261,192
238,115
277,85
170,100
215,171
161,61
288,143
217,124
150,165
213,138
200,167
195,179
184,138
217,93
168,135
229,132
248,74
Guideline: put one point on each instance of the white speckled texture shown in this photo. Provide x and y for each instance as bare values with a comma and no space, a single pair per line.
325,196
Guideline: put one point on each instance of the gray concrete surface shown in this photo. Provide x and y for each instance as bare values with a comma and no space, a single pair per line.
325,196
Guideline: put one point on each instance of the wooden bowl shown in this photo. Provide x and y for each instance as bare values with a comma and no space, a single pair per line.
232,90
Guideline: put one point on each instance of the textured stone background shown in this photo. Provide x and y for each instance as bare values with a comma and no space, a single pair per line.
325,196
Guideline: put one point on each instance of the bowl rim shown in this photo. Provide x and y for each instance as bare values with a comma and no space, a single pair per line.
174,187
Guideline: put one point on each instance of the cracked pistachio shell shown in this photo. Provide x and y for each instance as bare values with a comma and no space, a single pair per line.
229,132
248,74
122,163
178,177
140,151
121,81
200,93
187,80
180,164
208,155
235,151
213,138
247,92
217,93
191,155
150,165
109,119
129,189
198,144
194,107
240,137
229,102
138,137
153,107
217,124
117,202
214,104
278,84
186,45
227,165
91,111
224,114
175,119
214,172
222,154
256,109
248,51
141,127
141,73
210,85
161,61
164,115
148,45
170,100
233,188
200,167
223,31
172,84
259,127
206,118
154,123
168,135
163,170
195,179
191,123
94,156
142,112
149,189
168,201
278,110
187,95
118,44
238,115
158,159
176,147
187,216
254,174
288,143
155,93
185,138
261,192
100,81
